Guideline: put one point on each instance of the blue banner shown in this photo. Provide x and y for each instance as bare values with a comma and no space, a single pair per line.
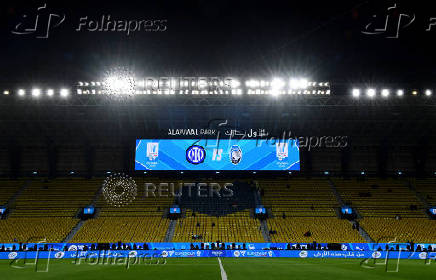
237,246
86,255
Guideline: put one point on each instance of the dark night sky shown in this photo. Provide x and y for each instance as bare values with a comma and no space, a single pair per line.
322,40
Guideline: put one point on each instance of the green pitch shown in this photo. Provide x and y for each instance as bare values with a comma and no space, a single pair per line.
235,269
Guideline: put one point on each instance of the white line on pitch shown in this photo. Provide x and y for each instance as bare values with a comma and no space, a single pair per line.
223,272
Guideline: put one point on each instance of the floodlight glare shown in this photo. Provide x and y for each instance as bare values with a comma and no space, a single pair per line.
64,92
385,92
303,83
50,92
370,92
400,92
252,83
428,92
234,83
21,92
277,83
6,92
119,81
294,84
36,92
356,92
414,92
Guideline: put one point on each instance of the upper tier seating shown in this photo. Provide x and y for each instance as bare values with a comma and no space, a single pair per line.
299,197
55,198
427,187
8,189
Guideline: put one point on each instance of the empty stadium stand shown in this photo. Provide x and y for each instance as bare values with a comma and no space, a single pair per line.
322,229
46,209
426,187
124,229
389,209
237,227
50,229
380,197
8,189
218,218
299,197
55,198
142,220
302,205
404,230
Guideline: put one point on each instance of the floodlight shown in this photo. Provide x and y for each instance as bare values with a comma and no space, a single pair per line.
277,84
428,92
234,83
119,81
6,92
385,92
252,83
294,84
202,84
400,92
36,92
414,92
303,83
298,83
64,92
370,92
50,92
356,92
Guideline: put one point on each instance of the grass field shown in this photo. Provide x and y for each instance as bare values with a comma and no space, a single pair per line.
235,268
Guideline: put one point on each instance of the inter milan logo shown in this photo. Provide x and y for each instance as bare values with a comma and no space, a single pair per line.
235,154
195,154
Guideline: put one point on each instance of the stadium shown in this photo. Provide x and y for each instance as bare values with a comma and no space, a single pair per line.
125,159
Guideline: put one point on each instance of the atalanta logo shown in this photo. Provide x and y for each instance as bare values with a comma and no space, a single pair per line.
235,154
195,154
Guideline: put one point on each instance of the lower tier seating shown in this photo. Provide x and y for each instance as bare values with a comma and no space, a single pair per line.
407,229
237,227
322,229
52,229
124,229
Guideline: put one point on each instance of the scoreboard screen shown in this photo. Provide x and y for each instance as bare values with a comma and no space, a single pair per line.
234,154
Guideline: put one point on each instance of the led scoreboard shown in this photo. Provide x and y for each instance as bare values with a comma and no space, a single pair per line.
234,154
